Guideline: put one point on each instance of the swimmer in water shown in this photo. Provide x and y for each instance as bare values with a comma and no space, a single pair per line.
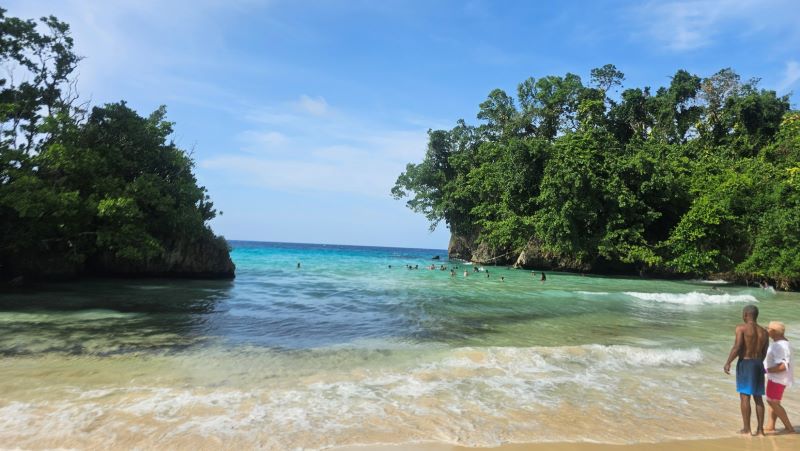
452,273
502,279
298,265
466,274
544,277
487,273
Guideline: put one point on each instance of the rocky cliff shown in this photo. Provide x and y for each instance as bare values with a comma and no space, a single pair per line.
466,247
532,256
204,257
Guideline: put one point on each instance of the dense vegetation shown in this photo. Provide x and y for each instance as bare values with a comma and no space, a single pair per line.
695,178
88,191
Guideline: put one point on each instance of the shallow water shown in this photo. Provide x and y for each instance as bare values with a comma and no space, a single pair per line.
346,350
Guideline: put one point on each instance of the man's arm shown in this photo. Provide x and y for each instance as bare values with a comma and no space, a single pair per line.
779,368
781,356
737,345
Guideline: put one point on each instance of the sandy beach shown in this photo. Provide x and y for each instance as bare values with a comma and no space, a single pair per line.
769,443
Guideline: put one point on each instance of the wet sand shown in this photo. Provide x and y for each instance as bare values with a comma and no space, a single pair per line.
769,443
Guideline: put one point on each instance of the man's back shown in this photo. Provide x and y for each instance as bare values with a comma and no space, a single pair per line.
755,341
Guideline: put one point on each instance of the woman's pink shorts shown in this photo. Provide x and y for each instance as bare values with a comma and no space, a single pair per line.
775,390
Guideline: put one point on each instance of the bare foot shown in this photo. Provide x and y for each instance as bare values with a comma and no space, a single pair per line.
759,432
785,431
745,432
769,429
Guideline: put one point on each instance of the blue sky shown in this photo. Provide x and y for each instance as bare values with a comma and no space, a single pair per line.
300,114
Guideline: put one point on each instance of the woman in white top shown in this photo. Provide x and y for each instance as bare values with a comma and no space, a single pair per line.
779,366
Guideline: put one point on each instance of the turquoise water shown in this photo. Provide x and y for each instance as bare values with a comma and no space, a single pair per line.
346,350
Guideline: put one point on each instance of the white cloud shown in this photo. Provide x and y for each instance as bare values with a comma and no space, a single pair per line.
300,150
365,177
791,75
686,25
263,141
141,43
362,170
316,106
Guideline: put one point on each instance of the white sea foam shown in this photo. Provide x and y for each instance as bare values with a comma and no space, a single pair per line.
479,396
693,298
548,359
649,357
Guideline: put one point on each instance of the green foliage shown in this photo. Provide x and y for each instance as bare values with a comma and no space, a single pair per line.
75,188
702,176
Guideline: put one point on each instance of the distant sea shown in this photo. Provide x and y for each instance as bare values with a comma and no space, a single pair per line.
353,347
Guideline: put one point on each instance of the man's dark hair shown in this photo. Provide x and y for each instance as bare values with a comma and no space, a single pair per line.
750,310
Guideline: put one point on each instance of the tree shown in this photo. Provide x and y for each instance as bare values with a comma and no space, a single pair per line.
692,180
607,76
74,190
37,64
44,62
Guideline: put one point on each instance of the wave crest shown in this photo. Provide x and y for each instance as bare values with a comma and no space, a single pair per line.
693,298
542,359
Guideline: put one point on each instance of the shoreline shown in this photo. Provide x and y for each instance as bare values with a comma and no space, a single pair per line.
768,443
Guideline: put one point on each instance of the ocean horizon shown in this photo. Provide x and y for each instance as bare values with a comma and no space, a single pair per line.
292,243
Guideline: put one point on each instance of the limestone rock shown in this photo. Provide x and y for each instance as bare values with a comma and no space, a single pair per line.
204,257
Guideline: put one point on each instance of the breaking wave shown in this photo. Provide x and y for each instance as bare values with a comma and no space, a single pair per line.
693,298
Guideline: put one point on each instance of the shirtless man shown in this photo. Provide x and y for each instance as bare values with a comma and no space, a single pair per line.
750,347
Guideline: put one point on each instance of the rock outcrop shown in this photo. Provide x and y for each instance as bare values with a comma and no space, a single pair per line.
204,257
466,247
532,257
460,247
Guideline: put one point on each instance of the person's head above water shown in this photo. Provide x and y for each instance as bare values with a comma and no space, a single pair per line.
750,311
